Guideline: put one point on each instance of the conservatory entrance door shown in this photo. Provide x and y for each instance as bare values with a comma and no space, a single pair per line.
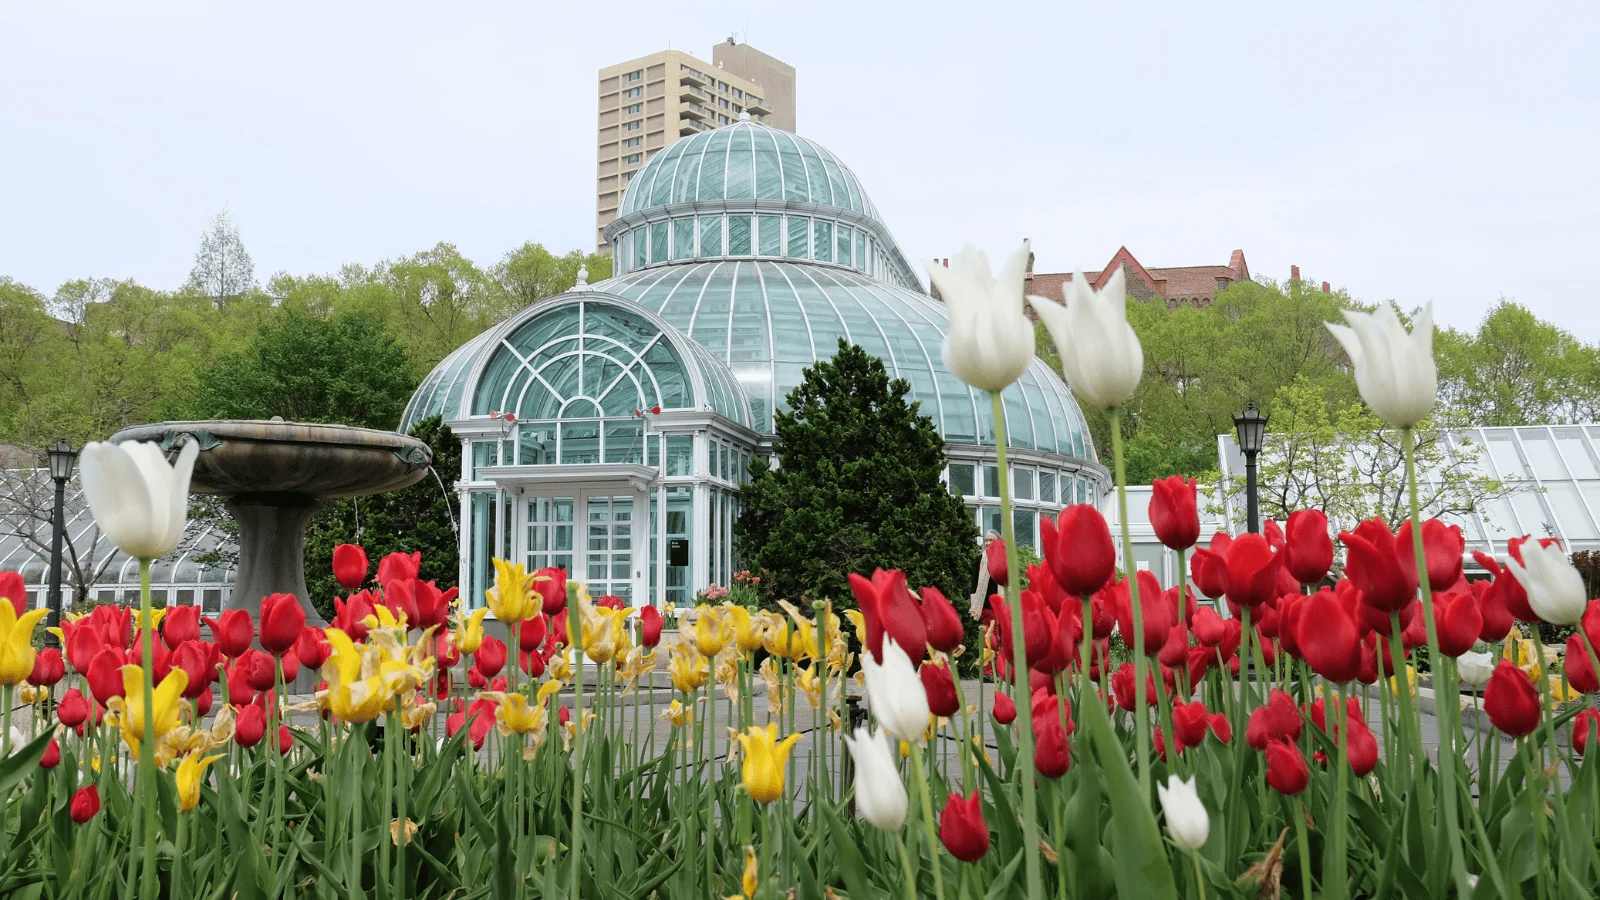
589,531
609,542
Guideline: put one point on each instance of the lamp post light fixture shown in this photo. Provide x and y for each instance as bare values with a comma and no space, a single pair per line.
1252,428
62,459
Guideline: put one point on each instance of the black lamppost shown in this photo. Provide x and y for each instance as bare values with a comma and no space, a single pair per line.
1252,428
62,459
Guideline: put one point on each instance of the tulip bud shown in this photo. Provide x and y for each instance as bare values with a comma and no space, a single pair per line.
888,609
48,668
895,693
312,647
350,566
943,697
139,501
1475,668
1555,587
179,624
1187,821
962,829
1287,772
491,657
52,755
991,341
1278,719
1510,700
1174,511
85,804
1100,354
1584,727
105,674
550,584
282,620
1078,547
1327,638
880,796
233,631
73,708
1253,569
1308,546
1051,753
1459,621
1005,709
941,621
1394,370
250,726
398,567
650,623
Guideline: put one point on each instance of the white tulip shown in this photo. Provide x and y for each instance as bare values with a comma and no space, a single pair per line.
895,693
1554,586
1475,668
1100,355
1394,370
880,797
1187,821
138,500
991,340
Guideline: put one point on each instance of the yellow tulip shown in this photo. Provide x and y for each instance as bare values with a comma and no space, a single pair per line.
384,617
16,642
712,632
764,759
167,699
688,673
190,773
559,667
516,716
752,876
469,637
860,623
511,598
678,713
746,628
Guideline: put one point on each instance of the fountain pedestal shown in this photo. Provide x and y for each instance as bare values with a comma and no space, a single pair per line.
276,476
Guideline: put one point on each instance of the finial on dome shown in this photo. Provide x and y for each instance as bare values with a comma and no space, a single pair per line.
744,115
583,277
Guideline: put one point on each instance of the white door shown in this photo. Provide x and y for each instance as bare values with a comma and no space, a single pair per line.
610,541
549,532
592,533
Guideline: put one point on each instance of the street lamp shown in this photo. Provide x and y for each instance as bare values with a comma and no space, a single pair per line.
62,459
1252,428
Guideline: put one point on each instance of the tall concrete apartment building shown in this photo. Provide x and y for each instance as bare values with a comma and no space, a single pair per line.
649,102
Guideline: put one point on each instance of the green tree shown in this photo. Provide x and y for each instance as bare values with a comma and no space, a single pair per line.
441,300
531,273
222,267
1518,369
857,487
418,518
346,369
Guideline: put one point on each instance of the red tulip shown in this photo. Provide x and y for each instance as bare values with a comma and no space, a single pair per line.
282,620
1208,627
1583,725
1286,767
350,616
962,829
83,640
1278,719
1209,566
1175,511
1511,701
1363,747
291,665
1383,570
286,740
532,632
1512,593
940,686
85,804
52,755
250,726
312,647
1580,674
940,620
476,678
1252,570
1590,623
105,674
994,555
1038,627
1497,619
1078,547
1308,546
1103,612
398,567
350,566
491,656
1122,682
1459,621
12,588
1221,727
1189,724
198,661
257,669
400,596
887,608
1327,638
1157,620
1052,755
433,605
650,623
232,630
48,668
1005,709
73,708
481,715
203,702
551,586
180,623
563,715
1200,658
1443,547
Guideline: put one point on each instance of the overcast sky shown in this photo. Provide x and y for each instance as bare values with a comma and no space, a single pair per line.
1440,151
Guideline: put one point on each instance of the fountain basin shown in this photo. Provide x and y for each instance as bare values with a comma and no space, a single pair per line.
276,475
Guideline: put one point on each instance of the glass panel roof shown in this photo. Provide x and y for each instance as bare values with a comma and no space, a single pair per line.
746,161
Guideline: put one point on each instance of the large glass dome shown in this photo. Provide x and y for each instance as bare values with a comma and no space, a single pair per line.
609,430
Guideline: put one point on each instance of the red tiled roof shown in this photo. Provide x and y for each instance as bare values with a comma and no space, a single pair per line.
1177,282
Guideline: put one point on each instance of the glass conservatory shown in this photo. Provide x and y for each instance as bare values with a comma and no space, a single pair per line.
608,430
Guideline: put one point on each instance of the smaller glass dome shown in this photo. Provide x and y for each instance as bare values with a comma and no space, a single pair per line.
746,161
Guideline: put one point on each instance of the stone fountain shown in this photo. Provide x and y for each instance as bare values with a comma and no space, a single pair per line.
276,475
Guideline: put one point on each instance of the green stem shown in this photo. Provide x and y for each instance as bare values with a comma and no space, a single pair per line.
920,776
579,769
1297,809
1335,865
1447,749
905,862
149,883
1141,719
402,788
1019,667
1199,879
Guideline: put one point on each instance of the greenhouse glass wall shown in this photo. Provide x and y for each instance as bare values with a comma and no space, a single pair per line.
744,255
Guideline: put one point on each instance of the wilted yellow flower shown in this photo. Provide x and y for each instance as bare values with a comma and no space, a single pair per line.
511,599
859,622
688,673
1523,655
712,631
764,759
363,680
747,629
639,662
517,716
547,689
190,773
677,713
559,667
129,709
811,683
394,831
415,713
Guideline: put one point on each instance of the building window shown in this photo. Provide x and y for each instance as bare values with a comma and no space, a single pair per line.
1047,486
636,74
633,142
658,242
635,125
861,250
722,86
1024,483
844,246
991,481
738,93
682,238
961,484
824,241
711,236
738,235
633,158
723,101
631,93
799,237
680,454
634,110
770,235
641,248
737,109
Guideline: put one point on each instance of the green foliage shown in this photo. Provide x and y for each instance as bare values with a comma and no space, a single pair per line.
418,518
1518,370
857,487
344,369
